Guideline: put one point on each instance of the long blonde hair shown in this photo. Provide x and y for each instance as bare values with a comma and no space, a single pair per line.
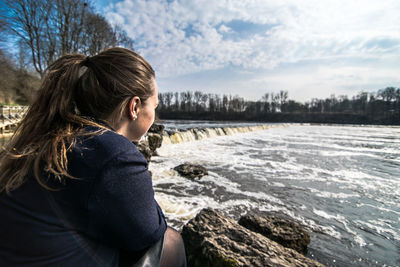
76,91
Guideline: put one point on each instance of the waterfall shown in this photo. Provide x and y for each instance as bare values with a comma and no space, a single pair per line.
174,137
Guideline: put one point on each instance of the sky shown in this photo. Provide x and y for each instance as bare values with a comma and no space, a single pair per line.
310,48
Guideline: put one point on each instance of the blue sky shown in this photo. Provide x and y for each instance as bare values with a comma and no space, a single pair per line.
311,48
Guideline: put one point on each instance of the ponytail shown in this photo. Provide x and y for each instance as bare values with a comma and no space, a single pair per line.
47,131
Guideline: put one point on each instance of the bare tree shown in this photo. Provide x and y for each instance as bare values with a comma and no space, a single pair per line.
225,103
122,37
212,105
197,100
168,99
237,104
70,17
177,101
204,99
265,99
3,29
283,96
53,28
99,34
27,21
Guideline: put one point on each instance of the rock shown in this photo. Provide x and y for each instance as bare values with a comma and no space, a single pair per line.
154,140
171,132
157,128
145,149
284,231
212,239
191,170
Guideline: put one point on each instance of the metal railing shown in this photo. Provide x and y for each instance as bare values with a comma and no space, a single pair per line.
10,116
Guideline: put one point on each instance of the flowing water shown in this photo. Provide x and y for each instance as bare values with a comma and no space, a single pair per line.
342,182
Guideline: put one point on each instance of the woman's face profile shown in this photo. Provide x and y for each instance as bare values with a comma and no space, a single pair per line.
145,115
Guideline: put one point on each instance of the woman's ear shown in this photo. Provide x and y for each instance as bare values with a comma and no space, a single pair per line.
134,107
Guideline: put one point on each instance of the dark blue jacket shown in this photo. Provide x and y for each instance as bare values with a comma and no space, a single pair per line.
88,221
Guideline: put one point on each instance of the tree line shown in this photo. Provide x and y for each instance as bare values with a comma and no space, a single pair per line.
382,106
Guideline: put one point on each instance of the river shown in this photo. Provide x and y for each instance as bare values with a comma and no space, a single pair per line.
342,182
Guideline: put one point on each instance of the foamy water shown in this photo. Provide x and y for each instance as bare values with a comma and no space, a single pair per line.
342,182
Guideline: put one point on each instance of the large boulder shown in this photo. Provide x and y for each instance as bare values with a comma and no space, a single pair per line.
282,230
189,170
154,141
212,239
156,128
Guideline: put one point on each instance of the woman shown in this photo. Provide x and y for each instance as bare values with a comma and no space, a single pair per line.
74,189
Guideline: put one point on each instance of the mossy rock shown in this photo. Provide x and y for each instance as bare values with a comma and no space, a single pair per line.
214,240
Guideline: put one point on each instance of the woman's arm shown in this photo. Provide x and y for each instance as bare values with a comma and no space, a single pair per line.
122,209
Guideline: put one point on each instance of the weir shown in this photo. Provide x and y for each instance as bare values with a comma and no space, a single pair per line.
203,133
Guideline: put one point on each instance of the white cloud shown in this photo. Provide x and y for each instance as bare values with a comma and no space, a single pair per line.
185,37
224,29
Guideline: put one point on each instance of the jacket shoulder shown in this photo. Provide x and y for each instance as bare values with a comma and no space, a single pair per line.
98,149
